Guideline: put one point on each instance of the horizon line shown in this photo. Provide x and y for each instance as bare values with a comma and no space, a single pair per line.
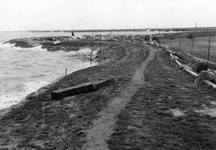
107,30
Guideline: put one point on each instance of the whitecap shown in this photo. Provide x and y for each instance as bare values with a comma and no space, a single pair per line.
10,99
2,75
7,45
36,48
19,92
34,85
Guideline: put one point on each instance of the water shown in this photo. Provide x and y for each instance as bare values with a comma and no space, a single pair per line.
23,71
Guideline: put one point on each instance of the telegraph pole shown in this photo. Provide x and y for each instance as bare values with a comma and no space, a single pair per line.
180,43
209,47
193,39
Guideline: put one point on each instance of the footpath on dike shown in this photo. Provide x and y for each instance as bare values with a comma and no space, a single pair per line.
151,105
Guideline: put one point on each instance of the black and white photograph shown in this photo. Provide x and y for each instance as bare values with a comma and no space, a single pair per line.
107,75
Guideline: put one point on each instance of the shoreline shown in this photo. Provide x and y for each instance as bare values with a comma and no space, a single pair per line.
43,89
151,103
28,97
120,65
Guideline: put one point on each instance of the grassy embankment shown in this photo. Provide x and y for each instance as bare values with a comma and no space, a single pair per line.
44,123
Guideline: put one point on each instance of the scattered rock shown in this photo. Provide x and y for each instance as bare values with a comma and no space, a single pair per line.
207,75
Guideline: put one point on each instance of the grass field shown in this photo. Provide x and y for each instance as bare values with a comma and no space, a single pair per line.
181,42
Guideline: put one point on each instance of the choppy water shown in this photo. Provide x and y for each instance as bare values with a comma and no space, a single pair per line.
23,71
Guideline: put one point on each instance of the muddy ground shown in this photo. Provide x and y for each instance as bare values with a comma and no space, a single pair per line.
151,105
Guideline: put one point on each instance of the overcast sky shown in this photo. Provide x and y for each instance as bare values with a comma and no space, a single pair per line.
105,14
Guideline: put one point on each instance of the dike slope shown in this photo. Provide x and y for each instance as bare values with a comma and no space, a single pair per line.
44,123
151,105
103,127
169,112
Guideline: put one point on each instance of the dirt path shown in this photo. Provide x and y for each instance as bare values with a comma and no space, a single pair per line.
167,113
104,126
44,123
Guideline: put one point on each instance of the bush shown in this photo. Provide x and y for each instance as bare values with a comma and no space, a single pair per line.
147,38
201,67
190,36
155,38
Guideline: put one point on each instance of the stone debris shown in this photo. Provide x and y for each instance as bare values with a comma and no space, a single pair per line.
208,111
177,113
207,75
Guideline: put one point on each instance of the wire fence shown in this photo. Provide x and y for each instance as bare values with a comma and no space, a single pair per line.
197,46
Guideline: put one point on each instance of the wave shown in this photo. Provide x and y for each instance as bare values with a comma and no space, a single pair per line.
83,54
36,48
40,75
19,92
12,46
6,45
18,67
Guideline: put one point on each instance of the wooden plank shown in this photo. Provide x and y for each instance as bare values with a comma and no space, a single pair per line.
99,84
74,90
185,68
82,88
191,72
210,84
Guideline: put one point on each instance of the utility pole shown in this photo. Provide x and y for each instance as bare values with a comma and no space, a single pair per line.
111,31
192,45
91,48
180,43
100,42
209,47
193,39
